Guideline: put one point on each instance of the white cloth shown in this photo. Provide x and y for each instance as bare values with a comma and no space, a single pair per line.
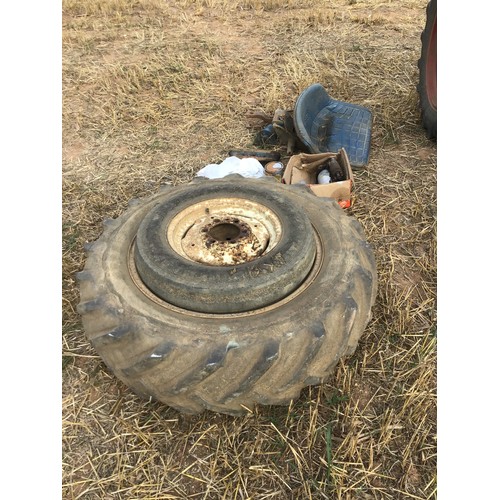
246,167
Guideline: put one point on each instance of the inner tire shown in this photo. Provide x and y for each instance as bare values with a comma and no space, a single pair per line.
229,362
216,212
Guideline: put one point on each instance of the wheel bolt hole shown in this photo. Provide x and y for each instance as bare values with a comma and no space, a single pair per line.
224,232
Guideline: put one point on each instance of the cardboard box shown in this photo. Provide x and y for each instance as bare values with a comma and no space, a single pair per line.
303,168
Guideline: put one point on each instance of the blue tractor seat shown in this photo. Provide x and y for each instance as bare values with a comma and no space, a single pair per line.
325,125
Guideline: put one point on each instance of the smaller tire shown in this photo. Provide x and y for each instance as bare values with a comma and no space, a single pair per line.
231,247
427,65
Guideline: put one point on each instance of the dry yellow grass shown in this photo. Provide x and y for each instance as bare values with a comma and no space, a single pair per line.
154,90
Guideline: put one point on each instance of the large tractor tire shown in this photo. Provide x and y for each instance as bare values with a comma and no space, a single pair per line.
227,293
427,65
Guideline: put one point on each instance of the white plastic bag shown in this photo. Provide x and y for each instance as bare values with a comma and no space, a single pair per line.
246,167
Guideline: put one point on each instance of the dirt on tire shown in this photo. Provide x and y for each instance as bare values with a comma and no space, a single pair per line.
230,362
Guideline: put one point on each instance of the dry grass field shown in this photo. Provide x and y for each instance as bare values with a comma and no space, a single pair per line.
153,90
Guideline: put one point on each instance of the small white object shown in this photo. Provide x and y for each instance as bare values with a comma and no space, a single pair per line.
274,167
246,167
324,177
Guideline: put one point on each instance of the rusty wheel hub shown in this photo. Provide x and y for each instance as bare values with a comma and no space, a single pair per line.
224,232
